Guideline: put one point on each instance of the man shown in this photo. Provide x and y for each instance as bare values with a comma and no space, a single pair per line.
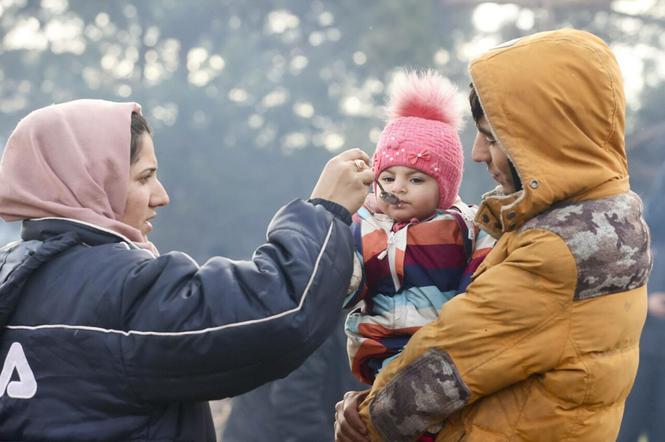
543,346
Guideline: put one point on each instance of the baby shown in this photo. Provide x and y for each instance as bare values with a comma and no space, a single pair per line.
416,238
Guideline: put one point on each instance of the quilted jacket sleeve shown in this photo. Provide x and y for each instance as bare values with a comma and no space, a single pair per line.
492,336
226,327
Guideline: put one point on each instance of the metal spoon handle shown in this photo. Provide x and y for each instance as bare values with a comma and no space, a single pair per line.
388,197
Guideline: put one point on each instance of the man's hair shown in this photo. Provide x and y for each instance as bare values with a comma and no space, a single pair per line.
478,113
476,108
139,126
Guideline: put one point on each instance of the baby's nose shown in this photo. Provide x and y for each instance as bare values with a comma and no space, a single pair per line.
399,187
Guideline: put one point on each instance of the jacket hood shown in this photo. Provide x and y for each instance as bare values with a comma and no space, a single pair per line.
19,260
555,103
43,240
78,154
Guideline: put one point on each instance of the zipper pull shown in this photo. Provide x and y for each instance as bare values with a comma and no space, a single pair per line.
383,254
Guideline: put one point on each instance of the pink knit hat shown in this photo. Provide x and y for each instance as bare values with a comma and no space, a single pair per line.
422,133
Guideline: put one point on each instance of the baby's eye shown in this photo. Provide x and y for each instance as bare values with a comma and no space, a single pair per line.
417,180
387,179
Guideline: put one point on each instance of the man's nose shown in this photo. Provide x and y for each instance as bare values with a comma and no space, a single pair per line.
480,152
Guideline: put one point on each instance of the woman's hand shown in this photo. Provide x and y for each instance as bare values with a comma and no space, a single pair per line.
345,180
348,425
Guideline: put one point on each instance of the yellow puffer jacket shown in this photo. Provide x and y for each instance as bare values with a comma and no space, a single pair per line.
544,344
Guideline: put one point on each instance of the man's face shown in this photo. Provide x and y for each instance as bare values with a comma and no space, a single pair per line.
487,150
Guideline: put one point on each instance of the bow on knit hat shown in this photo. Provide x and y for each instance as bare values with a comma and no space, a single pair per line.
422,133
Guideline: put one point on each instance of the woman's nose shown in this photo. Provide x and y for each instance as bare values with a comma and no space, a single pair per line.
160,197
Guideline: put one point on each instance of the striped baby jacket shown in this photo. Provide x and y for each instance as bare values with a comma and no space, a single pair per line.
408,273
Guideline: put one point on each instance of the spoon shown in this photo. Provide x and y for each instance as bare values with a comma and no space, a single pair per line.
388,197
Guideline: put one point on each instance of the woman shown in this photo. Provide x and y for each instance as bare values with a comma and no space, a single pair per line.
104,340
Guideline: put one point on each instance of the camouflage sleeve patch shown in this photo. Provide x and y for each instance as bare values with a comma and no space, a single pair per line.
609,240
424,393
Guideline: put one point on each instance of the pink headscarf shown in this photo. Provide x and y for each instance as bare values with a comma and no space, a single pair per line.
70,160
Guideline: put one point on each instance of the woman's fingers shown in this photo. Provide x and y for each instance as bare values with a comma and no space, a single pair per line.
345,179
355,153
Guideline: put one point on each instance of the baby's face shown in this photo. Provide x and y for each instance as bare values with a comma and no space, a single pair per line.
418,192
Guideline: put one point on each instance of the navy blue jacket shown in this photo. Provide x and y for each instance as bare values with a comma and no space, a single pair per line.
103,341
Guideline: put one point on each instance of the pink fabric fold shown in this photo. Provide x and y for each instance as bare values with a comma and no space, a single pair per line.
70,160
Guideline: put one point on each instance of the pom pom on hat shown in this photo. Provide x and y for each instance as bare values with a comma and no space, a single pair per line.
422,132
427,95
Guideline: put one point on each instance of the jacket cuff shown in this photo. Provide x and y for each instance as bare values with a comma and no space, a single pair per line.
418,398
334,208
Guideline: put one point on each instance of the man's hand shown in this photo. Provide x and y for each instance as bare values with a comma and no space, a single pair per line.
657,304
345,180
348,425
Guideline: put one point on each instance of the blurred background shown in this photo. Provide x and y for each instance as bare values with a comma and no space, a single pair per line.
248,99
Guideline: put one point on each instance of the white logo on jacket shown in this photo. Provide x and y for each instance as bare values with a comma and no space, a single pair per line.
26,385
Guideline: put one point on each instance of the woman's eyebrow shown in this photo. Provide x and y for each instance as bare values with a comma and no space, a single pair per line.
148,169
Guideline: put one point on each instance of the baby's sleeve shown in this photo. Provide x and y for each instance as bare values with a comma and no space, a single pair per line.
357,287
482,246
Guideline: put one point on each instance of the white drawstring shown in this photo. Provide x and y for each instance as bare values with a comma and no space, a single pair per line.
391,240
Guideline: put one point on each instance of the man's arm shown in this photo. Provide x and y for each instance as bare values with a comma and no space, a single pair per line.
509,324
